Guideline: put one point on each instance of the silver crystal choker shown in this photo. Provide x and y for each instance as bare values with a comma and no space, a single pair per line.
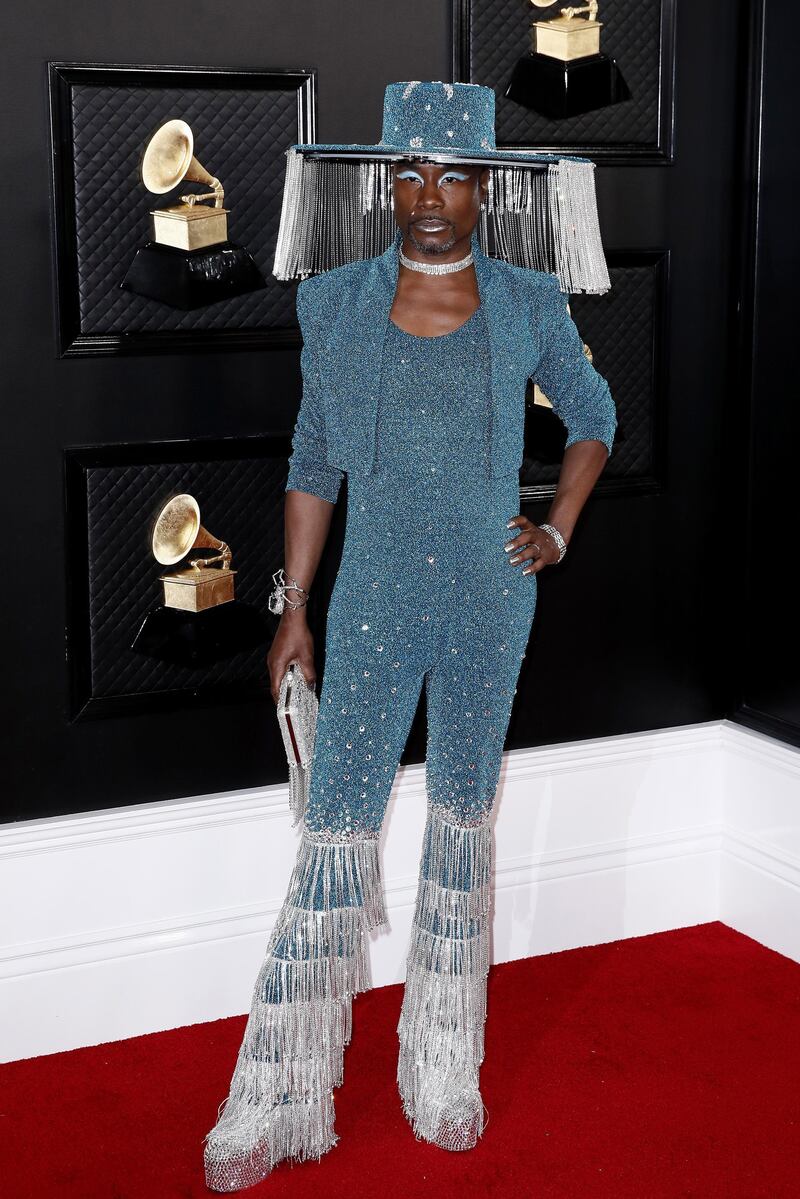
435,268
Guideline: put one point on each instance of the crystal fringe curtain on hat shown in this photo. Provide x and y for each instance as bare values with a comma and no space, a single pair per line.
541,215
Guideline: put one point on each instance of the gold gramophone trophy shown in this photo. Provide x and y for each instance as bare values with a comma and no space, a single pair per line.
200,622
565,73
203,584
190,262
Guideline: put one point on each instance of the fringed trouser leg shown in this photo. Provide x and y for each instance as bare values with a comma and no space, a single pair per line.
441,1028
291,1057
442,1020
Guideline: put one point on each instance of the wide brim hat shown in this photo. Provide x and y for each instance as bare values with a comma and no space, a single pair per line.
541,210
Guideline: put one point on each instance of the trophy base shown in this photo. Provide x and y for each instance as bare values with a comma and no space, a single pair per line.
190,279
199,639
559,89
196,590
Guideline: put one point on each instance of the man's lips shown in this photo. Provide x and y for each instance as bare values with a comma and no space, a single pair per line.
431,225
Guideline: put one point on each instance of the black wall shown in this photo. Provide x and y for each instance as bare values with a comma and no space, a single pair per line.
763,569
631,630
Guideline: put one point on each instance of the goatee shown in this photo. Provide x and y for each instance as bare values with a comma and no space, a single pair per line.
436,247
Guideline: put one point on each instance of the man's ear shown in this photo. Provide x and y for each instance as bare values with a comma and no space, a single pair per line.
483,182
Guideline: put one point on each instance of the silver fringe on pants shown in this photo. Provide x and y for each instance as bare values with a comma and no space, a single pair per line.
442,1020
280,1102
290,1060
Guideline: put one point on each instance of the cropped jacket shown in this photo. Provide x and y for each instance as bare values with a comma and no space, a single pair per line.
344,317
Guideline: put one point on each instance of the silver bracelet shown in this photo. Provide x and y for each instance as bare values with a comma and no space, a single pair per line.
559,540
277,598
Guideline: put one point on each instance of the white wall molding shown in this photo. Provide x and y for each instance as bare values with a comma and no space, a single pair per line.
153,916
760,861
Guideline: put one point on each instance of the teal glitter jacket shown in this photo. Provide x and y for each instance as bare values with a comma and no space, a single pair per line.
344,317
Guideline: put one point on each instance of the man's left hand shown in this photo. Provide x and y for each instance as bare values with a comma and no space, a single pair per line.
532,548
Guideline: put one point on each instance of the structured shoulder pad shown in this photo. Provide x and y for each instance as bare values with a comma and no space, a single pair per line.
311,300
542,282
527,282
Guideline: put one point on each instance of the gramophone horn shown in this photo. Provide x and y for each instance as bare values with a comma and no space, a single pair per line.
177,530
169,159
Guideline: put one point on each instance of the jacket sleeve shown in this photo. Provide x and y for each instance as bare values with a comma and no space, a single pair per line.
579,394
309,469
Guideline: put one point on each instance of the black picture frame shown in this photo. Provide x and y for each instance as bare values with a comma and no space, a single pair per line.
82,248
656,149
111,495
634,359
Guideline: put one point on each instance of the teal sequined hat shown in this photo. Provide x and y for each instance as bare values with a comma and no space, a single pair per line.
444,121
541,210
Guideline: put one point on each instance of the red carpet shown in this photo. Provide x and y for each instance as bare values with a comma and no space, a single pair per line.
666,1065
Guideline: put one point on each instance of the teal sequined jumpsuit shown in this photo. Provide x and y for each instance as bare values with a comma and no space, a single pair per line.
425,595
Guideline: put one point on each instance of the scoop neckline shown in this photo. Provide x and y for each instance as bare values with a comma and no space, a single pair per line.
437,336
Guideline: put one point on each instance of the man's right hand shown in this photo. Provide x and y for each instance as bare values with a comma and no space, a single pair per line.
292,643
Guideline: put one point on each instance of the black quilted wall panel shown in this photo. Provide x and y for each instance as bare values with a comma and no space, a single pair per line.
115,581
624,330
492,34
633,630
241,132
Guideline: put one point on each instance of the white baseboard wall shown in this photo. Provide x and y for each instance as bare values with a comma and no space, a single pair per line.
149,917
760,859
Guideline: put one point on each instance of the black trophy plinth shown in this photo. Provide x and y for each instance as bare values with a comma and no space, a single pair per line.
557,89
191,279
198,639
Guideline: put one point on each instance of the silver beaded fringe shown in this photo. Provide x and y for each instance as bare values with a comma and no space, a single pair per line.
299,785
441,1026
539,215
280,1102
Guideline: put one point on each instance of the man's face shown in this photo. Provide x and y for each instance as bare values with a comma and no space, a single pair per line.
437,204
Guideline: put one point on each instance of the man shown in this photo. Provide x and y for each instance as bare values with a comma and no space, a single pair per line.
414,370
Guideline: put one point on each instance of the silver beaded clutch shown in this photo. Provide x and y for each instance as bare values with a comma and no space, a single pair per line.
298,706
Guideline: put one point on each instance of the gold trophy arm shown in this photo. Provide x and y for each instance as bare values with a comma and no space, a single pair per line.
590,8
205,539
217,195
225,558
